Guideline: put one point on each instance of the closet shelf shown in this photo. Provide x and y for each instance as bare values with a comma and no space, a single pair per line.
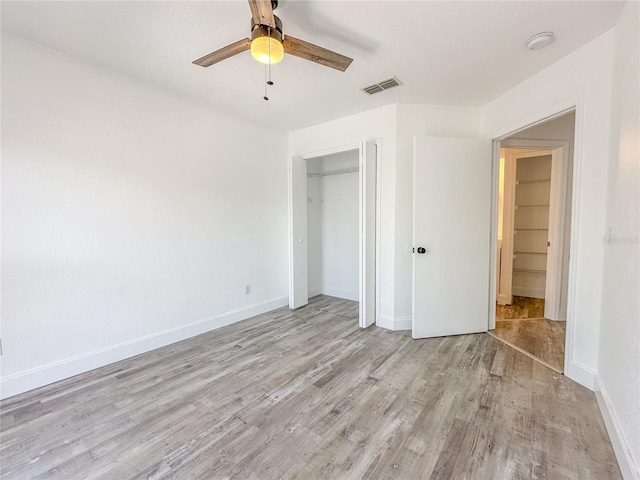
529,271
333,172
529,253
526,182
532,229
532,206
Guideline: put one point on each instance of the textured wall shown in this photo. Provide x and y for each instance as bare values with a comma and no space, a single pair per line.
126,211
619,363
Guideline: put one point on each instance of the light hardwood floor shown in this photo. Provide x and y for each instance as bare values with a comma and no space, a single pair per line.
306,394
521,307
523,326
542,338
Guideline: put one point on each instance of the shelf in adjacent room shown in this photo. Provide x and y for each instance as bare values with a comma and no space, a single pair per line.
529,271
525,182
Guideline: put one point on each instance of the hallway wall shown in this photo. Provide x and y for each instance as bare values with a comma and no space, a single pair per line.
619,360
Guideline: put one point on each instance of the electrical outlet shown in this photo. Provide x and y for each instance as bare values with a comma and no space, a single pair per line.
247,289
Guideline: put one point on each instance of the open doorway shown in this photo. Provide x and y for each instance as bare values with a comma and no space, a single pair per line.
347,178
332,224
534,217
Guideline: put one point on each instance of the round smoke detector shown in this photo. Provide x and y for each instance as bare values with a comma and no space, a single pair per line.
540,40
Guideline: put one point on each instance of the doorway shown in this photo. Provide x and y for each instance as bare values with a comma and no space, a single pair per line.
332,227
332,224
532,256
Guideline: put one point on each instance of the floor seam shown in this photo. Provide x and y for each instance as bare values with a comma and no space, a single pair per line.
528,354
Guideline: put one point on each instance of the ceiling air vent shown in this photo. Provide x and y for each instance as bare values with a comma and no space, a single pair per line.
380,86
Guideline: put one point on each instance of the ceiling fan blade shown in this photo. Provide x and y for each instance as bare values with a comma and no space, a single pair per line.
224,53
262,12
309,51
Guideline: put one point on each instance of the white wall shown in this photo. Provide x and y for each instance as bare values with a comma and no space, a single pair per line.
339,207
619,361
130,218
583,77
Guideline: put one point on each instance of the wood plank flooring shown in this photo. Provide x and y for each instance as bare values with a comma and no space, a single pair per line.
306,394
542,338
521,307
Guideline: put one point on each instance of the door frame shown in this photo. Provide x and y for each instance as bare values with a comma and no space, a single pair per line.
571,105
341,149
559,151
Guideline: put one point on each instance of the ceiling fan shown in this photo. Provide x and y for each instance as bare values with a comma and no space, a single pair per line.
268,44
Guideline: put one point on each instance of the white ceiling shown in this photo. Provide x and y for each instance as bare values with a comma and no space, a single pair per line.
446,53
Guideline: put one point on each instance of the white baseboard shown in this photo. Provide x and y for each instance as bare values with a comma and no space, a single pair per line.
313,292
402,323
582,374
54,372
529,292
385,321
339,293
394,323
628,466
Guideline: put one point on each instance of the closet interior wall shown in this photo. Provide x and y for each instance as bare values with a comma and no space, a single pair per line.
332,222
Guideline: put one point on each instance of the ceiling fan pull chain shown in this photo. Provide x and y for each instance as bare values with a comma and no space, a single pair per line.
265,83
269,82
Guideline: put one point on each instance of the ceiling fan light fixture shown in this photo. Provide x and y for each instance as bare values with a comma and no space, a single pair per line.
267,49
266,42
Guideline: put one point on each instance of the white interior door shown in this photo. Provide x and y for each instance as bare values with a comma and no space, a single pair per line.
367,221
298,276
452,199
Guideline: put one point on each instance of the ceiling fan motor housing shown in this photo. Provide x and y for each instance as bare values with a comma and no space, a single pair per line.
258,30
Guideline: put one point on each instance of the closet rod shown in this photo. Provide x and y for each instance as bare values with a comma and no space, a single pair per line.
334,172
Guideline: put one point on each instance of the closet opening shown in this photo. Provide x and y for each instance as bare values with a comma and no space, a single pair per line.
334,228
332,225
